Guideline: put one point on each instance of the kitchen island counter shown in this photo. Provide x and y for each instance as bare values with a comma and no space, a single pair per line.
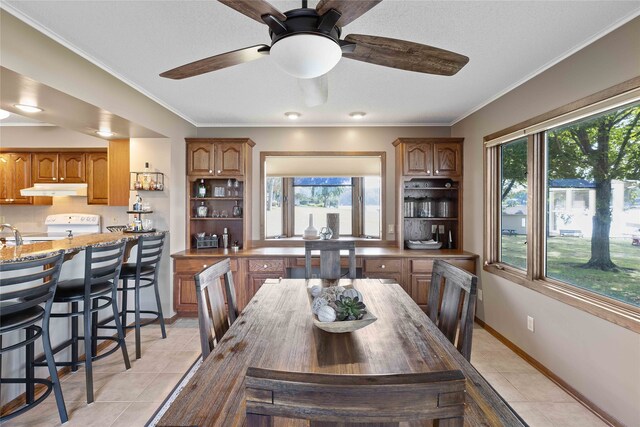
68,246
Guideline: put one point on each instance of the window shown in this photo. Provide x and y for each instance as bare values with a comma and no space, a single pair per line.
299,184
563,204
589,238
513,224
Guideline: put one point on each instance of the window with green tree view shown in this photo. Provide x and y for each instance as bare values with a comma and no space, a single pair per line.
513,218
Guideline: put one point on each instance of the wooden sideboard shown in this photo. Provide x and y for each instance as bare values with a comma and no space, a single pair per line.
250,268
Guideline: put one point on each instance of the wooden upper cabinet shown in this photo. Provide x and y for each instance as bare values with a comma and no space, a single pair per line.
45,168
15,174
447,159
97,178
71,168
417,159
434,157
200,159
218,157
230,159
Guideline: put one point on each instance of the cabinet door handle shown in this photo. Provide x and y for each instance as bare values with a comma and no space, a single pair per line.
210,171
437,171
428,171
54,178
204,265
219,171
62,179
383,266
264,266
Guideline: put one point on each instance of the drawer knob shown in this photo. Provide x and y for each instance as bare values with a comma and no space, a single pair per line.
204,265
428,171
219,171
382,266
210,171
437,171
61,179
264,266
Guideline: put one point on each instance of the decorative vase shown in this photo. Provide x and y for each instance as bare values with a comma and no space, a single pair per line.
310,232
333,222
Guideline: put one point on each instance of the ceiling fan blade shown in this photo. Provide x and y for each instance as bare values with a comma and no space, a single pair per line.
217,62
405,55
350,9
315,91
254,9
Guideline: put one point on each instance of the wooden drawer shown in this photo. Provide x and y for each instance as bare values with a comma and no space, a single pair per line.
426,265
197,264
266,265
383,265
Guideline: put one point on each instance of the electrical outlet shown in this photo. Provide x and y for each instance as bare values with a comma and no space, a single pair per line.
480,294
530,323
390,228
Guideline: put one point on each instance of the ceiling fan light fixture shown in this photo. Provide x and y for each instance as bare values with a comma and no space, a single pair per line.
4,114
357,115
292,115
28,108
306,56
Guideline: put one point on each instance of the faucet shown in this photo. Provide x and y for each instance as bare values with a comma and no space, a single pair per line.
16,233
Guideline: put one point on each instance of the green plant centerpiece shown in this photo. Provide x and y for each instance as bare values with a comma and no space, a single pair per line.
339,308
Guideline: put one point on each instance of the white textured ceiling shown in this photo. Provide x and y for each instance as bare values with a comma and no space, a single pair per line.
507,42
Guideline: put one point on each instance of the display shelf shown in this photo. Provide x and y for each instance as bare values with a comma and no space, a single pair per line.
137,181
204,199
432,218
217,219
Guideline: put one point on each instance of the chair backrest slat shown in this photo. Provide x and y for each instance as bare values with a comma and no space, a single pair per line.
21,288
150,249
213,319
101,267
355,398
330,258
451,304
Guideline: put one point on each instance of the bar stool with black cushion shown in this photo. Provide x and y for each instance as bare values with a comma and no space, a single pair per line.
330,258
143,273
26,297
96,291
452,304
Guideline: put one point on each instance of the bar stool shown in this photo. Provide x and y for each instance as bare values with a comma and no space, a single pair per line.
24,288
143,273
96,291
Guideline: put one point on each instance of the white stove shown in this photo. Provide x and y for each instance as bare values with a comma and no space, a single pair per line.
59,225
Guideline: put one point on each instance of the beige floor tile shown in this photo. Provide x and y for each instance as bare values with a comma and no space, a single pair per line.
136,415
124,387
97,414
570,414
159,388
113,363
537,388
503,387
43,415
151,362
171,343
74,386
508,361
530,412
181,361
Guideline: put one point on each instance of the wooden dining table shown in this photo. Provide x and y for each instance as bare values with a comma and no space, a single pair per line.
276,331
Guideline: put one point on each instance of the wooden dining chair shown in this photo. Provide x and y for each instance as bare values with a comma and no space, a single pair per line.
330,258
330,399
452,304
213,319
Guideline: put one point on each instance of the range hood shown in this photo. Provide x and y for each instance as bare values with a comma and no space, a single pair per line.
55,190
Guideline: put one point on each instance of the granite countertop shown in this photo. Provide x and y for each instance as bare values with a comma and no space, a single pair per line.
289,251
43,249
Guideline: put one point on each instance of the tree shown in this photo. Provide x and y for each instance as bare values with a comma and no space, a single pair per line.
598,149
514,165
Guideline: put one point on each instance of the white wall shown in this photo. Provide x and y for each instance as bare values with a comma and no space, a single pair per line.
598,358
324,139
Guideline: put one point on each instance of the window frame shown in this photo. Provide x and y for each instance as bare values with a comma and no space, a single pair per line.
607,308
357,201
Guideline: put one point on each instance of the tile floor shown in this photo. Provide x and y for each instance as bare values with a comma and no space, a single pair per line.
129,398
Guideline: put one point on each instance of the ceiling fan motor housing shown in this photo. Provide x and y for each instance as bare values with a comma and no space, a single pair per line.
304,46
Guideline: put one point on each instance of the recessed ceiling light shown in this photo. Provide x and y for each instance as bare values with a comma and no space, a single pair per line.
105,133
292,115
28,108
357,115
4,114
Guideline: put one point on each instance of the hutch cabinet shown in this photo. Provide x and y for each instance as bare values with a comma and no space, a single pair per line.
15,174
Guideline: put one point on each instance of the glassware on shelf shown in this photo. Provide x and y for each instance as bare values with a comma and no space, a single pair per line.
202,210
137,206
146,177
224,214
147,224
202,189
215,214
236,188
229,187
237,211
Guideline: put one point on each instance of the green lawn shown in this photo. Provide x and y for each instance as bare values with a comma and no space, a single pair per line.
566,254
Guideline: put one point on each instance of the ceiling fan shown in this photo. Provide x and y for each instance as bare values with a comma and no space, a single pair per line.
306,43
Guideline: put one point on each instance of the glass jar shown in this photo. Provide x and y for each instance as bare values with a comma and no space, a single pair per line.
202,210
